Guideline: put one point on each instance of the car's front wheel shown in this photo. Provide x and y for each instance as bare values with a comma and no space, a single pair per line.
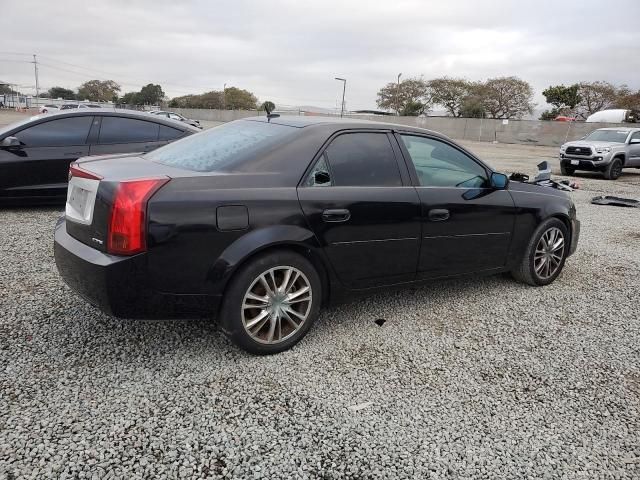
545,255
614,170
272,302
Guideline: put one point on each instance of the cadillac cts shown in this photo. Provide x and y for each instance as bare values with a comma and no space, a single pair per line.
262,221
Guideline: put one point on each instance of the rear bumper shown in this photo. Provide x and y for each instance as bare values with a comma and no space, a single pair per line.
119,286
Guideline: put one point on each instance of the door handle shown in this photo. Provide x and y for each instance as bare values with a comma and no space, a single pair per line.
336,215
438,214
73,154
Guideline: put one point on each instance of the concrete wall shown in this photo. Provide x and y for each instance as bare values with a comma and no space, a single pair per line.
526,132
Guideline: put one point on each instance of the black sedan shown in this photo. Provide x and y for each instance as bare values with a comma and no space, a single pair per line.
262,221
35,153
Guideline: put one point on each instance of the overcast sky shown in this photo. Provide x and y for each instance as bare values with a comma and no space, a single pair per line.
290,51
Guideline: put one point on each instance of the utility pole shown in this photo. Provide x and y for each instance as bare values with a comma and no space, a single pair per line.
35,67
398,96
344,87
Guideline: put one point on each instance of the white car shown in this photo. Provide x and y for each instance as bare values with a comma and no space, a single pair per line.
49,108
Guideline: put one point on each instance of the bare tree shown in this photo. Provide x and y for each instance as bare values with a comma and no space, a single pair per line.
597,96
411,98
451,93
507,97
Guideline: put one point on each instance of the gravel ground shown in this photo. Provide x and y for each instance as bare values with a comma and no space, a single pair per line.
466,379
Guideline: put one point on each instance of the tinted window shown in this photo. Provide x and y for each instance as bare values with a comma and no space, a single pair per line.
635,136
65,131
224,148
438,164
363,159
168,133
127,130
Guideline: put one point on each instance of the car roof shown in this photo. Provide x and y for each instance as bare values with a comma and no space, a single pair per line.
113,112
340,123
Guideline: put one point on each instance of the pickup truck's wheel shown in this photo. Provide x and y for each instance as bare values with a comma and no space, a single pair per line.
614,170
545,254
272,302
566,170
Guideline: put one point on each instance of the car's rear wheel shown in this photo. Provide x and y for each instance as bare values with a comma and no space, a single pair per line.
272,302
545,255
614,170
567,170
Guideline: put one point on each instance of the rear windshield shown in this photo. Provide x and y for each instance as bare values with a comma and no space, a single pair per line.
618,136
222,148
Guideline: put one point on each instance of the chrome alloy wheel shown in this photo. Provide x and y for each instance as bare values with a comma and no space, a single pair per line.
276,305
549,253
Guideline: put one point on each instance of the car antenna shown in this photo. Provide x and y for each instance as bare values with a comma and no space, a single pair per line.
269,114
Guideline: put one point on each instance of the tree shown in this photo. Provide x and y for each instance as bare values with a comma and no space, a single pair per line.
563,97
64,93
451,93
628,99
239,99
99,90
507,97
410,98
232,99
150,95
268,106
130,98
7,89
597,96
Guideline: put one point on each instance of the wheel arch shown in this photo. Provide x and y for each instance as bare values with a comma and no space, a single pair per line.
270,239
621,156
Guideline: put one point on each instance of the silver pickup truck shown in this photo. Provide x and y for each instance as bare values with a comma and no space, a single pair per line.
606,150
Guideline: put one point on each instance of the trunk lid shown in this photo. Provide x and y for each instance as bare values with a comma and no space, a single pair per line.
93,183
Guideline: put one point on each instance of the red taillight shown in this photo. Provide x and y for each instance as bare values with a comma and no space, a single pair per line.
127,232
76,171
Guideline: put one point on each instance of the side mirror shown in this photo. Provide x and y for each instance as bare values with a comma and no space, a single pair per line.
11,143
321,178
499,181
634,141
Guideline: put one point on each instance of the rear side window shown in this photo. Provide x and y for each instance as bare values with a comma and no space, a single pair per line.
127,130
56,133
169,133
363,160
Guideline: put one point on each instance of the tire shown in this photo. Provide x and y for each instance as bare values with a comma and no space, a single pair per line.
256,330
532,269
567,170
614,170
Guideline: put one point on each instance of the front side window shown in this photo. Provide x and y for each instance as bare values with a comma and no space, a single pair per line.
438,164
363,160
635,136
127,130
65,131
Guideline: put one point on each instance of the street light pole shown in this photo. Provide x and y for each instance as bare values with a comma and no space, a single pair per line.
344,87
398,96
35,67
